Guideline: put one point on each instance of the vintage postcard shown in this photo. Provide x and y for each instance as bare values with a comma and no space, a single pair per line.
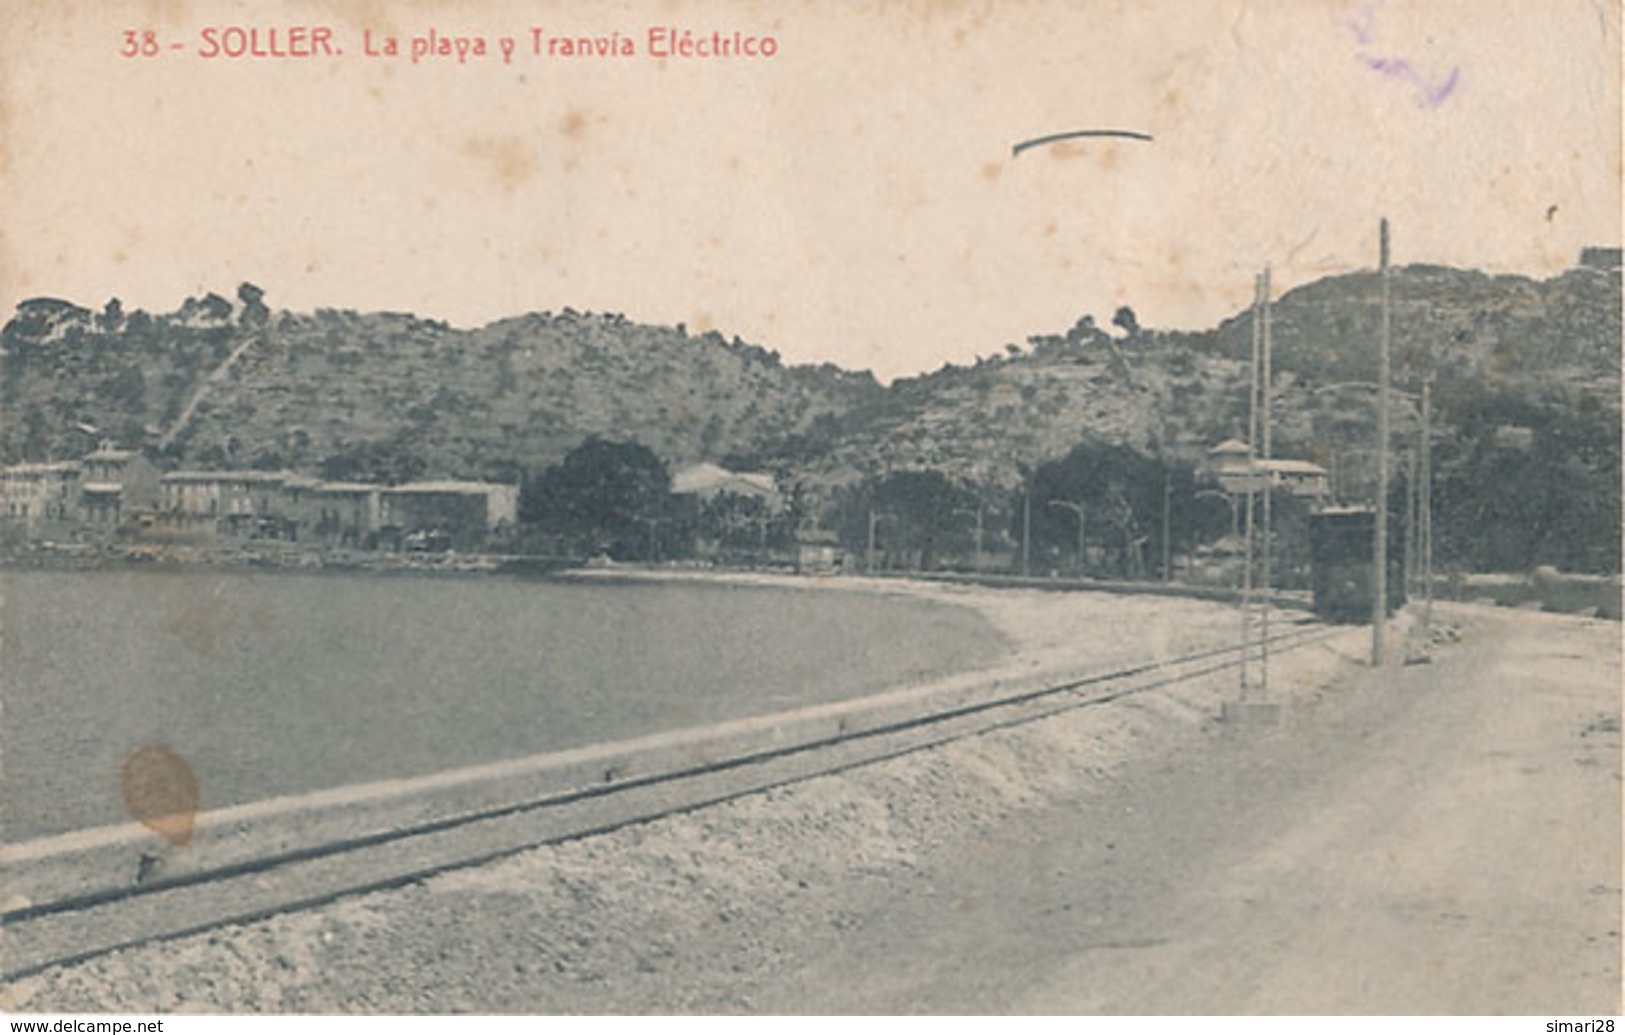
719,506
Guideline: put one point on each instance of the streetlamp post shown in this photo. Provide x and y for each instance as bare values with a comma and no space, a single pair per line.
1167,526
869,552
1027,529
977,513
1076,508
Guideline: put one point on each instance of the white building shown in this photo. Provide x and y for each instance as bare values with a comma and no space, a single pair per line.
1238,472
41,499
704,481
246,504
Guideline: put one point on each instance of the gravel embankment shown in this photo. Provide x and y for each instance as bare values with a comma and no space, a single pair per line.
700,912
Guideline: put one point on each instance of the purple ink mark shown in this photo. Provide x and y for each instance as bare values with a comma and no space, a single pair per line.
1390,66
1435,96
1430,94
1363,29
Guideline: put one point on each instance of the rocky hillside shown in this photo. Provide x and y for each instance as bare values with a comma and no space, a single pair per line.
983,424
1526,374
1553,343
389,395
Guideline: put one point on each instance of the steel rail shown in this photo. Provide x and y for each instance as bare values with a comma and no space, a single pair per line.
934,727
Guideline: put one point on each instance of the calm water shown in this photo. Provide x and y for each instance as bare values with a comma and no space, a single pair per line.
271,684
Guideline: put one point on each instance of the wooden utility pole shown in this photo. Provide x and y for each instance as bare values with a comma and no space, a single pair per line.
1266,390
979,508
1412,467
1027,530
1379,561
1427,515
1167,522
1252,474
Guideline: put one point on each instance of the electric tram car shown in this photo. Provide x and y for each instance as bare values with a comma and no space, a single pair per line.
1341,545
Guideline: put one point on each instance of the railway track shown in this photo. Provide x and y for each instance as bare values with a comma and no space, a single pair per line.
109,911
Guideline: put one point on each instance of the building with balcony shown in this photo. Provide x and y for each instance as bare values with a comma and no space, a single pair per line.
41,500
120,487
228,504
1239,473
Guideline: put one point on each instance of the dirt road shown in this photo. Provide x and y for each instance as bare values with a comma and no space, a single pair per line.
1440,838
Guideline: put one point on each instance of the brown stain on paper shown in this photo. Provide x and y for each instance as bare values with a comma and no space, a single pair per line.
1106,155
573,124
164,14
161,792
506,159
576,125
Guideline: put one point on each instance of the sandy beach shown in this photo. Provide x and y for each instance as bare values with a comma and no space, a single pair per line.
796,899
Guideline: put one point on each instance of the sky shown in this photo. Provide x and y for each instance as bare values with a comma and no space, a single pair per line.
851,199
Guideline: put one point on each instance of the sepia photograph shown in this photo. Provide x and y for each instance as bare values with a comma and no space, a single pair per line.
725,507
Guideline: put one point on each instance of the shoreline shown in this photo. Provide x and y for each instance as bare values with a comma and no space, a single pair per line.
785,866
1544,588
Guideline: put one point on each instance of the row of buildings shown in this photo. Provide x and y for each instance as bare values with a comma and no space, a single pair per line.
120,491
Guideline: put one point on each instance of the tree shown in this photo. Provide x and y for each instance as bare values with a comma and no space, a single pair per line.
255,313
916,515
392,461
112,318
1125,318
1084,332
127,388
1526,482
740,523
36,444
1122,494
603,497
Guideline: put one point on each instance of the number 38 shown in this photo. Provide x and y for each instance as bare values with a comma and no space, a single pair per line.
139,44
